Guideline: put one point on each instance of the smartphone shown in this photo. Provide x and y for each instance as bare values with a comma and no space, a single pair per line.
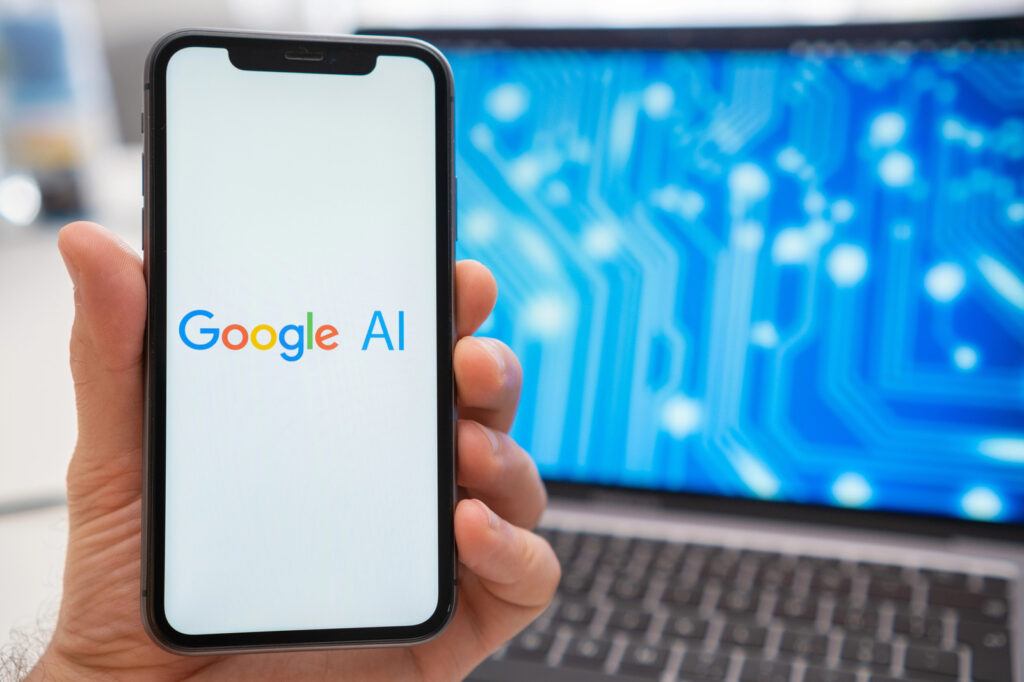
298,234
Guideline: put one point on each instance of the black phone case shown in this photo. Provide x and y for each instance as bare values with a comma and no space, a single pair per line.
260,50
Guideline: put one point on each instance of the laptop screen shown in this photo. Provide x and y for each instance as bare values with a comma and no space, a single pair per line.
793,275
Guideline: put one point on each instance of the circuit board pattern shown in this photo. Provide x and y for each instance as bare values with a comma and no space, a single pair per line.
758,274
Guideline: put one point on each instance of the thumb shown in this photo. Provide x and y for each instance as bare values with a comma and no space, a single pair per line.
106,364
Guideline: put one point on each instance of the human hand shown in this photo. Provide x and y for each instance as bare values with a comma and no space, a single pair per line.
507,574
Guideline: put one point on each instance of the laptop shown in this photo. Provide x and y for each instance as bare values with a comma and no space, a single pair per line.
767,287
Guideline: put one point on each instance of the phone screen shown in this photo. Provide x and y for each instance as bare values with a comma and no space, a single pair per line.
301,439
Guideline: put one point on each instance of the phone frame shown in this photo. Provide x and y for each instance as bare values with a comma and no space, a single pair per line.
263,47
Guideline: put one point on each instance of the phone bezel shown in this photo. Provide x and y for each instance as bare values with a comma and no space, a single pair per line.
155,255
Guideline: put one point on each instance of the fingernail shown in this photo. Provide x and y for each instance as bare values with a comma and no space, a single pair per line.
491,436
497,352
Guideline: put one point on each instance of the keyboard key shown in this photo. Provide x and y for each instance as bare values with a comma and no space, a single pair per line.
994,609
949,579
855,618
765,671
686,626
924,628
591,546
774,574
868,651
703,667
831,580
744,634
990,650
722,565
797,608
576,583
809,645
668,559
586,652
932,661
882,571
995,587
628,588
530,646
680,595
643,660
894,590
575,613
815,674
738,601
630,620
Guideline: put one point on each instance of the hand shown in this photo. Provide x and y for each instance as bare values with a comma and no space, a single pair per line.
507,573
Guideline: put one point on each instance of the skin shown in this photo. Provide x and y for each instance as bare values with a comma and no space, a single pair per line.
507,573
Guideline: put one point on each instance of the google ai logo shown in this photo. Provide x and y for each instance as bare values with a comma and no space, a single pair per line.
295,339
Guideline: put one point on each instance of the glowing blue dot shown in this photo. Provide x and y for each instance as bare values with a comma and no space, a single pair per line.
748,236
525,172
790,159
974,139
480,226
748,181
887,129
851,490
847,265
842,211
764,334
507,102
579,151
981,503
814,202
558,193
481,137
791,245
965,358
547,315
658,100
685,202
691,204
681,416
952,129
1015,212
896,169
902,231
601,241
944,281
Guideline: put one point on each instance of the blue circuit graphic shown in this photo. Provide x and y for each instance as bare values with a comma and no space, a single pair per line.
789,277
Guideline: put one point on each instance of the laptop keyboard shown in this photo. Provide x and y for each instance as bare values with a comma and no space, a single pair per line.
652,610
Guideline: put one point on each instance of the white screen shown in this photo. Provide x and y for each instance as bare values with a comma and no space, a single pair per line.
301,494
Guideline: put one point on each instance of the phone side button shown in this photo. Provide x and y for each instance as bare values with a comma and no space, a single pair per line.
142,223
455,208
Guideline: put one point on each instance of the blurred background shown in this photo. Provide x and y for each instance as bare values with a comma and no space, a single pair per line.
70,143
